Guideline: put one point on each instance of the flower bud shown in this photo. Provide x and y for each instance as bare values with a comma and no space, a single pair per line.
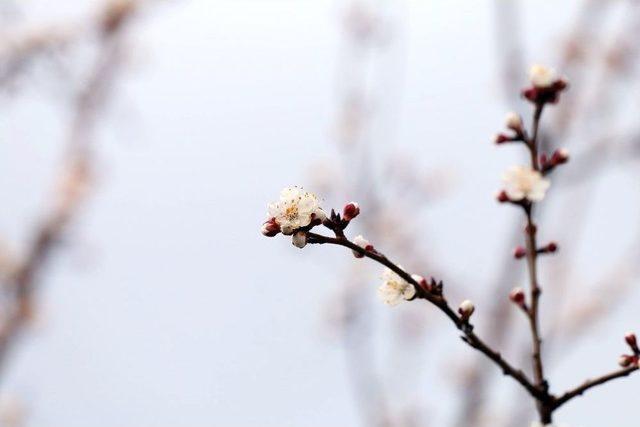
299,239
363,243
270,228
318,217
501,196
630,338
501,138
560,157
625,360
350,211
514,122
466,309
517,296
552,247
519,252
421,281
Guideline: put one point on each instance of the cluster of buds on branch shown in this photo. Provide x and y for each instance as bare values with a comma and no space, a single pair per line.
298,212
627,360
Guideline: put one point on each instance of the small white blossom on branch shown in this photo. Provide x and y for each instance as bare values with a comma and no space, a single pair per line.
522,182
542,77
394,289
295,209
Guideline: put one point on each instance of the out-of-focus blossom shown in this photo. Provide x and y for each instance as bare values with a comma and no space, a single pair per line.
514,122
522,182
542,77
394,289
12,412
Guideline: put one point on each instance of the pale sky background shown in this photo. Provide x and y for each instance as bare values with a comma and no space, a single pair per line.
170,309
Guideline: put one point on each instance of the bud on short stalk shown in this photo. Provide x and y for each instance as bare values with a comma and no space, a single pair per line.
632,341
299,239
502,197
517,297
560,157
626,360
501,138
350,211
363,243
466,309
549,248
270,228
519,252
514,122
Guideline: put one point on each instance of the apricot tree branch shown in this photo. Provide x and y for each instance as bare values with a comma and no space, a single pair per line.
441,303
578,391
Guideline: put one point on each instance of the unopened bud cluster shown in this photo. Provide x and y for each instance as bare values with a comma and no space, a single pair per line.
546,85
548,163
630,360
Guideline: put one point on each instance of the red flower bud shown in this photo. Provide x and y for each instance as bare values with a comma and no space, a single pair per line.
501,138
350,211
630,338
502,197
531,94
625,360
270,228
519,252
543,159
517,296
560,156
552,247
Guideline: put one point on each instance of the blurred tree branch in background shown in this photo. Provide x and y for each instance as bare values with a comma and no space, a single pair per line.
106,32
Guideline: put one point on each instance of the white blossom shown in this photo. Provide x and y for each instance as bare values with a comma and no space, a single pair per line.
394,289
541,76
513,121
296,208
522,182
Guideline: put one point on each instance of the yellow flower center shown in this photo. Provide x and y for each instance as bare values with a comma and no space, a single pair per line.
291,212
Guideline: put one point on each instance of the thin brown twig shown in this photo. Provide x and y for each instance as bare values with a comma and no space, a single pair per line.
578,391
535,291
441,303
